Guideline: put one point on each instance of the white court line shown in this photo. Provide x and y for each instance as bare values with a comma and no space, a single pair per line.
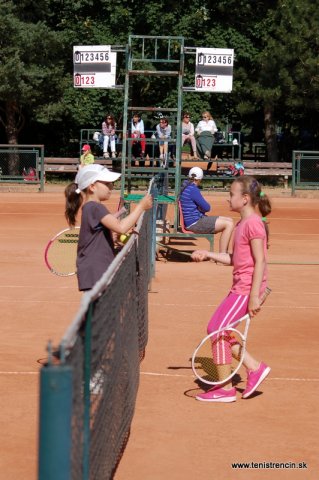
293,234
294,307
170,375
34,214
41,287
19,373
39,214
50,302
289,379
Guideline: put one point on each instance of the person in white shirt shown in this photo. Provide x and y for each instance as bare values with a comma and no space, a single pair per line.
205,139
188,133
137,131
163,133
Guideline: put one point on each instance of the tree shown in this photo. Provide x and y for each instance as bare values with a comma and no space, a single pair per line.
283,78
31,75
274,79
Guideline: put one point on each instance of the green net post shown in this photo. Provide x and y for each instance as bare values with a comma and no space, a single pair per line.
55,423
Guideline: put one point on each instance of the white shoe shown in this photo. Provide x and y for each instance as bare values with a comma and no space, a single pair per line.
106,155
96,383
113,155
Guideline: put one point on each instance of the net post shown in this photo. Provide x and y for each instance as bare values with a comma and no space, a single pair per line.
55,422
153,231
86,396
42,172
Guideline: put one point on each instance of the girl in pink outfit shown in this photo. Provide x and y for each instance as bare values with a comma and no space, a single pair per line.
249,283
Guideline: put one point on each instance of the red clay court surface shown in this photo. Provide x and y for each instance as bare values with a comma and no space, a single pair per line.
173,436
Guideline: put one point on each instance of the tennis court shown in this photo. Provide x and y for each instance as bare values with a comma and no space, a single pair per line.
172,434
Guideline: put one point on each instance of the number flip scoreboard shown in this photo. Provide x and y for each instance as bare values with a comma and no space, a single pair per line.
214,70
94,66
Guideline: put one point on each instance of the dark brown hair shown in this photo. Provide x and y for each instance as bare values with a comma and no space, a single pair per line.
112,120
250,186
73,202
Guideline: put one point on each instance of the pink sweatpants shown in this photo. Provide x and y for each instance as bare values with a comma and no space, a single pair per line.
232,308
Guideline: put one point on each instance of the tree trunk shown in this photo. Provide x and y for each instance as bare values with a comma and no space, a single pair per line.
13,126
270,133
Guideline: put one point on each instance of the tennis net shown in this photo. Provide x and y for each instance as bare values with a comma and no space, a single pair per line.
101,351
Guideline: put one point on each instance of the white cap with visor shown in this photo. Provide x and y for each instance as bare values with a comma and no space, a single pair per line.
94,173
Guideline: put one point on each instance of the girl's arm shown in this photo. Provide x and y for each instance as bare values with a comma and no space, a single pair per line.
213,126
113,129
125,224
198,129
201,255
257,248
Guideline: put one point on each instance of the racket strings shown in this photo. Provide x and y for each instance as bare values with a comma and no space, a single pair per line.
220,355
61,255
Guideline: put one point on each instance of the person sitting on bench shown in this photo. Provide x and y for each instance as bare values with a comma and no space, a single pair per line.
194,208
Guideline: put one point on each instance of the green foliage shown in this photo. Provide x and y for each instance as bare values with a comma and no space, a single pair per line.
276,59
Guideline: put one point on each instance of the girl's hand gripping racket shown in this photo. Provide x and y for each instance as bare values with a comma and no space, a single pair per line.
61,251
209,362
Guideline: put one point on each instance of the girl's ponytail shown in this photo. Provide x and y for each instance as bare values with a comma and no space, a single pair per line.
73,202
264,207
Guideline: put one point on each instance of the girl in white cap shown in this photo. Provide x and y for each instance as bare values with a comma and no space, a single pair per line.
194,208
93,185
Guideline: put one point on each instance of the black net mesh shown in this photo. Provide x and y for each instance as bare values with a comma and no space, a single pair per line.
105,348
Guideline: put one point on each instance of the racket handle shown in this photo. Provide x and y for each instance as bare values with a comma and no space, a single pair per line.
265,295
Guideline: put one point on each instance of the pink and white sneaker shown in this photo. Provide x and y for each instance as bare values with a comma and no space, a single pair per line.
218,395
254,379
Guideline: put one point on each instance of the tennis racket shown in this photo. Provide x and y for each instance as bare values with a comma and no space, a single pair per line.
60,253
209,361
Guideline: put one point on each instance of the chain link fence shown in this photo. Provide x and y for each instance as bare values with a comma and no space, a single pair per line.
23,164
305,174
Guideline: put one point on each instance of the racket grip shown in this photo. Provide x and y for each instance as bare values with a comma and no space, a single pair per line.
265,295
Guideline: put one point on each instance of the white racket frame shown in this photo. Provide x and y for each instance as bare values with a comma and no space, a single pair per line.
227,328
48,247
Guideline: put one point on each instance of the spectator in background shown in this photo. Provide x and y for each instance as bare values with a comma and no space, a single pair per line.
188,133
205,139
163,133
195,207
108,130
137,131
87,157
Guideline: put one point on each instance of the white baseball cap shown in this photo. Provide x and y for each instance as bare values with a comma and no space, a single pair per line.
196,173
94,173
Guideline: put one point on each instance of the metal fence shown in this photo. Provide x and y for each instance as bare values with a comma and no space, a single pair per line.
305,170
23,164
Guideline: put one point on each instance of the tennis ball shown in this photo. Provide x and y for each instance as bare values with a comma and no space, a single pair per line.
124,238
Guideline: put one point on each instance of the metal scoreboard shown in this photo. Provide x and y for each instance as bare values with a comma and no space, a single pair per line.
94,66
214,70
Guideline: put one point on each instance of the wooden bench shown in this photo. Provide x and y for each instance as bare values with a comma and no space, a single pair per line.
280,170
69,165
